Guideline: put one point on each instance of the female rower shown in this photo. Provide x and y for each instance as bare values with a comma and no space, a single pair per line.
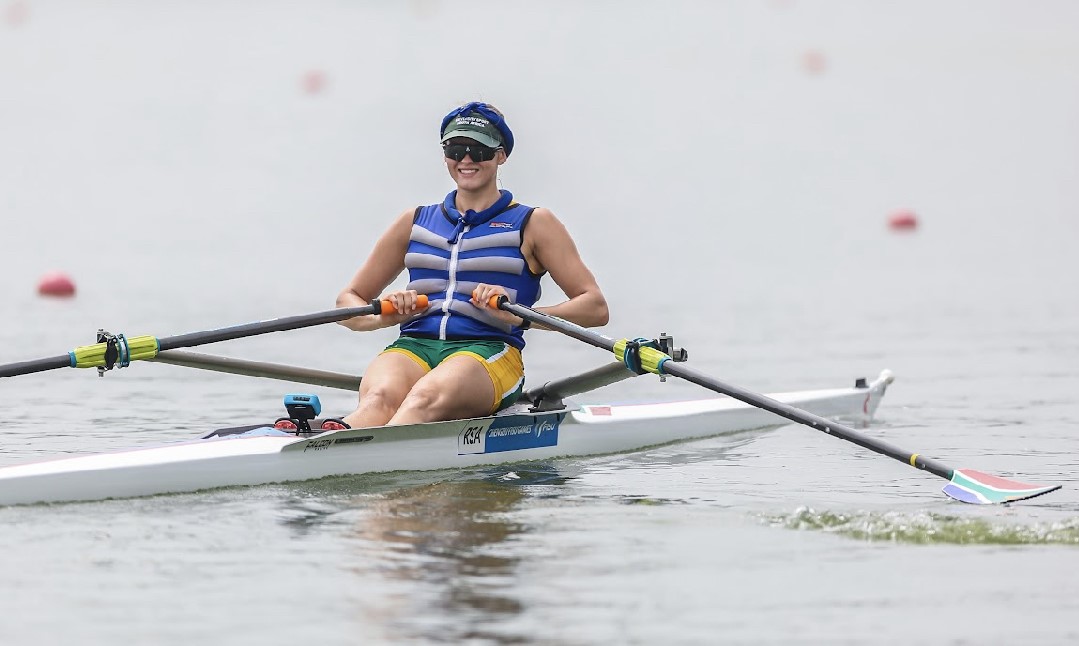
458,357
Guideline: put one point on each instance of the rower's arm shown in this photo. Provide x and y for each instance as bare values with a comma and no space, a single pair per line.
385,262
549,244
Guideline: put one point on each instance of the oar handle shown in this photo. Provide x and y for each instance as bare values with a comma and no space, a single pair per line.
388,308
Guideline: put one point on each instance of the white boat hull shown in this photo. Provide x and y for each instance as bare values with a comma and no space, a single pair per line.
511,436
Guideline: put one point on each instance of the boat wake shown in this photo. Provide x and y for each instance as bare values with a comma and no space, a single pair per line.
928,528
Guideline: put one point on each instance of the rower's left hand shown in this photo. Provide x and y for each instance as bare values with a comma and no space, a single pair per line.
481,297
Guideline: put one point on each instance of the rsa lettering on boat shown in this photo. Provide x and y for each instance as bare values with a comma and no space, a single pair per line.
472,436
510,433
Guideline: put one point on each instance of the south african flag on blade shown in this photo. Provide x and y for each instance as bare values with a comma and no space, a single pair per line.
980,488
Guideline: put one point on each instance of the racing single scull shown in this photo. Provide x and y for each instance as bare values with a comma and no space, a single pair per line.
260,454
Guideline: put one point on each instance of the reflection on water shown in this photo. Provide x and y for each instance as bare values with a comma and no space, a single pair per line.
446,537
442,548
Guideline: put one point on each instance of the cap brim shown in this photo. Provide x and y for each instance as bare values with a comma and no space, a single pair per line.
478,137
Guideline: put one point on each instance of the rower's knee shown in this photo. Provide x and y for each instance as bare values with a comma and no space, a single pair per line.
380,398
423,398
430,402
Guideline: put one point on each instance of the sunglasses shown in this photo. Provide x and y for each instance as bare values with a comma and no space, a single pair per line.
475,152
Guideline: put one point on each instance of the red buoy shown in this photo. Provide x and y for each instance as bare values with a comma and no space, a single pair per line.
814,62
16,14
56,283
313,82
903,220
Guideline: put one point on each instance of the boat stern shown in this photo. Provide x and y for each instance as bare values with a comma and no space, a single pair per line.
875,393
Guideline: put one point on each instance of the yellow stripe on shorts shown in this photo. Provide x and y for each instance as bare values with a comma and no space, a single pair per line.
506,370
411,355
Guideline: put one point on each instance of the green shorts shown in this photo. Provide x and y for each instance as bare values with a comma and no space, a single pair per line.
502,361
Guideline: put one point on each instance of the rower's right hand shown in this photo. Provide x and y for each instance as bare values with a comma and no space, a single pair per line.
406,304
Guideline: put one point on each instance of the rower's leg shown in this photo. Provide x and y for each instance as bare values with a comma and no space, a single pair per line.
460,387
385,384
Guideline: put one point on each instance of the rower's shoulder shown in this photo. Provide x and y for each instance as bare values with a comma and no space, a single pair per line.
544,223
543,217
400,230
405,219
542,212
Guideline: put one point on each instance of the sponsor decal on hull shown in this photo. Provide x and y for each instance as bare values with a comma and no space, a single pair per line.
509,434
323,443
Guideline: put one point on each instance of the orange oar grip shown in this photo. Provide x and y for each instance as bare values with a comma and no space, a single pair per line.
388,308
493,301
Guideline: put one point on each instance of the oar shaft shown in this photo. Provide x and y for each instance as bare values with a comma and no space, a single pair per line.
809,419
247,368
192,339
559,389
35,365
147,347
751,398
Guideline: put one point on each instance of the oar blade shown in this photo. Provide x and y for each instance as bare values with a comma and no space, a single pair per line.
979,488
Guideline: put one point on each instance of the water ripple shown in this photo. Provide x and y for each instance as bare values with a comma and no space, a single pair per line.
928,528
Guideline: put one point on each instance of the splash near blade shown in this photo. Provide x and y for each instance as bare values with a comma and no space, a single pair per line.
979,488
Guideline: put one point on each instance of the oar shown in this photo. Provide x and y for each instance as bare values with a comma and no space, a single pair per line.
119,351
965,485
247,368
548,395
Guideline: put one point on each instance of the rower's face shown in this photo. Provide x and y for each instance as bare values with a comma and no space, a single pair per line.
469,174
